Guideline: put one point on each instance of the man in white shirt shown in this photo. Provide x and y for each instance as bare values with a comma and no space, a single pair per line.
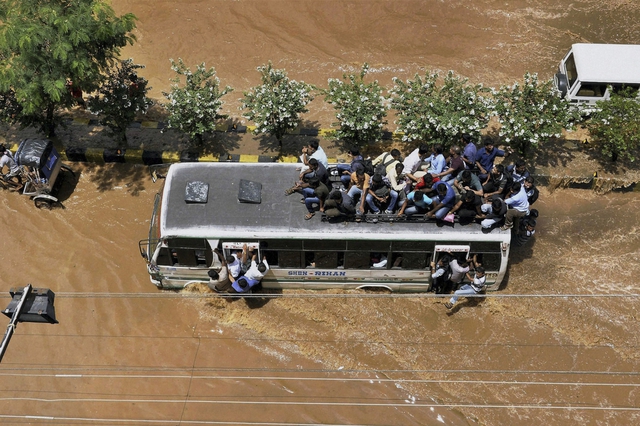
413,161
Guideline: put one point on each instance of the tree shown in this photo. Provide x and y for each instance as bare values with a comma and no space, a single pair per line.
120,98
428,112
53,49
360,107
615,125
193,108
532,113
276,105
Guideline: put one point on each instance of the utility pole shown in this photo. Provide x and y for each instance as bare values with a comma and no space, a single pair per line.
27,305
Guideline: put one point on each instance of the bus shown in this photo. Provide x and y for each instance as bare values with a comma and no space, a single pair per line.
204,206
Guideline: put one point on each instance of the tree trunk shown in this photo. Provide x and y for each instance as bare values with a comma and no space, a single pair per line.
49,126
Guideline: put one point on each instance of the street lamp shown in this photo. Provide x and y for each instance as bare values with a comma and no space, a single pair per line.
28,305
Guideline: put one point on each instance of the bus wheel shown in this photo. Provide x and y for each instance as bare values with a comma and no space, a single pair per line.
43,203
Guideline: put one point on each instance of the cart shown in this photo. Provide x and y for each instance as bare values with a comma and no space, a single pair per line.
41,167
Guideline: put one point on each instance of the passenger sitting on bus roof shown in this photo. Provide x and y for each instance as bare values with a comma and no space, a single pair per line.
444,201
316,170
427,184
469,151
493,213
345,170
437,162
256,272
6,159
313,150
454,166
486,156
219,281
467,181
358,186
476,286
339,204
416,203
518,171
526,231
496,183
531,190
468,208
381,195
320,193
387,160
517,203
413,162
399,182
440,273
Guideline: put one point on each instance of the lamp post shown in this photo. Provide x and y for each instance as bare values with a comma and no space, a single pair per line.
27,305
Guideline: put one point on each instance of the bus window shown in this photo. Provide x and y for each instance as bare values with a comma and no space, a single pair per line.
411,254
284,253
190,252
164,257
592,90
326,254
360,254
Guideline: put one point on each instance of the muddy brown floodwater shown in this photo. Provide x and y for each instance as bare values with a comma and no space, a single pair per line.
559,345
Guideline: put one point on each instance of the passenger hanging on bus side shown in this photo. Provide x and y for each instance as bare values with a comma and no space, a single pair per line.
440,274
476,286
252,277
530,188
234,264
219,281
459,268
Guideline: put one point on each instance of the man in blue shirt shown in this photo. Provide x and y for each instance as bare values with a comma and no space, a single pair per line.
517,203
437,160
485,158
445,200
469,151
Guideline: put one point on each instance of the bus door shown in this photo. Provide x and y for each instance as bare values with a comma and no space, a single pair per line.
449,252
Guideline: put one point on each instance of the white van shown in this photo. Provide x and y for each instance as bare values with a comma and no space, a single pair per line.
587,71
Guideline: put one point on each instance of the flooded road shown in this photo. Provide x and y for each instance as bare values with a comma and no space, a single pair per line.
559,344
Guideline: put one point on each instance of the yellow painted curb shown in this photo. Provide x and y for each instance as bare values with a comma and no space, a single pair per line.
289,159
95,155
251,129
170,157
206,158
325,132
149,124
133,156
247,158
80,122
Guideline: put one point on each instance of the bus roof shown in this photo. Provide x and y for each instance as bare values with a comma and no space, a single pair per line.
607,63
223,216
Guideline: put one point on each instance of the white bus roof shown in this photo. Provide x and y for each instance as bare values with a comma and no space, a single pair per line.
607,63
278,215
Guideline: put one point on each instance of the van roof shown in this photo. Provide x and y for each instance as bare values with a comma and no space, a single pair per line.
222,216
607,63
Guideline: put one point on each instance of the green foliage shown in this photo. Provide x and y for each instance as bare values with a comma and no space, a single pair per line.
430,113
193,105
120,98
615,125
360,107
45,45
532,113
276,105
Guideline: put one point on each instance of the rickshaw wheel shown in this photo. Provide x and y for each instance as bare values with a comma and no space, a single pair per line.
43,203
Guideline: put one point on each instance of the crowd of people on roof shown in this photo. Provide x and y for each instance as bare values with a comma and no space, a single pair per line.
464,186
